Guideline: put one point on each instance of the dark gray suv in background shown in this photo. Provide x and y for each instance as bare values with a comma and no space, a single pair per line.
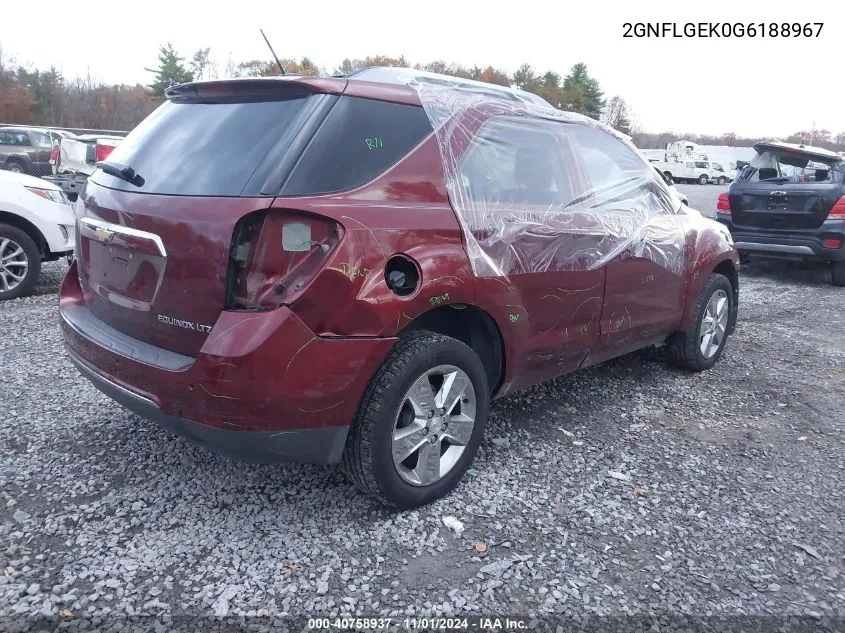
789,202
25,150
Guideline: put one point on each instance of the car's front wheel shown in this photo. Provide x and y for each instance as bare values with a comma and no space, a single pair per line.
20,263
722,180
420,421
701,346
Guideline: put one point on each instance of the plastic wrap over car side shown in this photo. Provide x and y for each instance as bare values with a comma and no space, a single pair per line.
584,222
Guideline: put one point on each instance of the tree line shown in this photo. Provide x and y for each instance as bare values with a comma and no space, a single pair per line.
47,98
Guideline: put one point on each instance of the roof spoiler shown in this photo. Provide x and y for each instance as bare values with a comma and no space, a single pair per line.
253,89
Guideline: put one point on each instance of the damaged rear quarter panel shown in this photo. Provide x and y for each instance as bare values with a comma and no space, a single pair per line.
403,212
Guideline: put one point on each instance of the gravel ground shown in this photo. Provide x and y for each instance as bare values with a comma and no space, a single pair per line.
625,489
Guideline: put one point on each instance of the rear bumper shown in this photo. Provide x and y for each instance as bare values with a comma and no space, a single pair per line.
318,446
792,244
262,388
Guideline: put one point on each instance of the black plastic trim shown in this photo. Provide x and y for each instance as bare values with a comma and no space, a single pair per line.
311,446
285,154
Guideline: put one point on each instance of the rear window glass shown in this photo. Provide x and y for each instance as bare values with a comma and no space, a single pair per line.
359,140
201,149
789,168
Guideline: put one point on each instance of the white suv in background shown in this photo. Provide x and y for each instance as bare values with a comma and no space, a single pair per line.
36,224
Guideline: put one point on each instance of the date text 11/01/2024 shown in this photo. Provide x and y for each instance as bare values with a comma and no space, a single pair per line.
722,29
419,624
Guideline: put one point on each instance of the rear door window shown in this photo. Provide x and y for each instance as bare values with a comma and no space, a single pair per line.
359,140
42,140
202,149
518,161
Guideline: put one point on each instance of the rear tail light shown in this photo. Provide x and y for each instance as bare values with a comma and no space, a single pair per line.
832,242
274,255
54,155
723,206
103,151
838,210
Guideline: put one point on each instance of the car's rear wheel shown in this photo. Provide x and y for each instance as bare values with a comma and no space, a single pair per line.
20,263
701,346
838,273
702,179
14,166
420,421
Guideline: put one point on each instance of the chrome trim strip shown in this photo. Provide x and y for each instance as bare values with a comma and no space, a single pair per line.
773,248
125,230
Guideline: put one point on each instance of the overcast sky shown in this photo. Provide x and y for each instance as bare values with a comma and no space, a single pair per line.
750,86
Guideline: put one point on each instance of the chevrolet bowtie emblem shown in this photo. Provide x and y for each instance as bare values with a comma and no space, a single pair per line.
103,235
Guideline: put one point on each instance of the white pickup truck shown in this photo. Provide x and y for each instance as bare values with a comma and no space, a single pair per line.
683,171
74,159
718,174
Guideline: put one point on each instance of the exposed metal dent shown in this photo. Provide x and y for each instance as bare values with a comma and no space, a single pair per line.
334,406
214,395
293,358
368,229
217,337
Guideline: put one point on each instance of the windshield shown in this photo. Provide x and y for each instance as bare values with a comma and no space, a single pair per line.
789,167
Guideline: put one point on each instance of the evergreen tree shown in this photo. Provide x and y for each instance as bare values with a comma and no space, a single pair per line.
583,92
171,71
523,78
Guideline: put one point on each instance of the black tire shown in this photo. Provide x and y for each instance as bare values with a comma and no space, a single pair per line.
683,348
368,458
33,258
837,271
722,180
15,166
703,179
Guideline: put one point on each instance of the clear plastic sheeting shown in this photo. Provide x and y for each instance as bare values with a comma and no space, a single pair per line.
540,190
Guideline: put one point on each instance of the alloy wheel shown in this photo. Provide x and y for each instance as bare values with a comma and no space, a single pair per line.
434,425
714,324
14,264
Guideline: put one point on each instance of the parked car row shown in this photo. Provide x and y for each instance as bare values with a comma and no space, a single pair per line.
697,171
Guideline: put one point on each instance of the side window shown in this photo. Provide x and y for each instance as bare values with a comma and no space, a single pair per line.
21,139
518,161
42,140
359,140
5,138
617,176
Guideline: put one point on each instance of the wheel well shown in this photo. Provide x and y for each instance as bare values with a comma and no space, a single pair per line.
472,326
16,159
27,227
727,269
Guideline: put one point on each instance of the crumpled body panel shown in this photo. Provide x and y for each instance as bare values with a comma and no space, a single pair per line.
543,190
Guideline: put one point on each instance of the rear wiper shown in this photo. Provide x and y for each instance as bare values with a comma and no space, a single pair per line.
119,170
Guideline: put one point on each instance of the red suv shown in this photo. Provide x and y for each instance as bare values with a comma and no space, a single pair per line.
349,269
